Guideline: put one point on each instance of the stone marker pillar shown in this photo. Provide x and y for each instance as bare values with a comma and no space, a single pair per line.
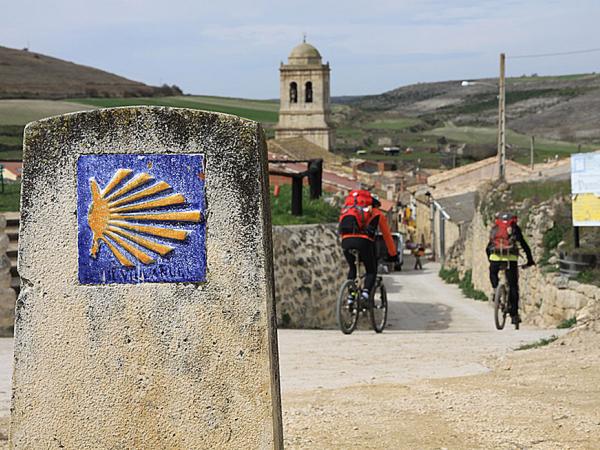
146,315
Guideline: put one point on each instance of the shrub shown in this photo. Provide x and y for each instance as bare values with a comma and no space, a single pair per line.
589,276
540,343
567,323
450,276
467,288
551,239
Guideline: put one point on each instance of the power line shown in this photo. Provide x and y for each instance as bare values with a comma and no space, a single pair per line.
542,55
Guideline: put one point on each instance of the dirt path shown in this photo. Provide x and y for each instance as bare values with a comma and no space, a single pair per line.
440,377
433,332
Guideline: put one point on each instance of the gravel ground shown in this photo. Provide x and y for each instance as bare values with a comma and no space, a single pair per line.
440,376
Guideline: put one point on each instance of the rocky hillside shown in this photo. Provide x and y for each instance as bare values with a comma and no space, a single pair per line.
559,107
25,74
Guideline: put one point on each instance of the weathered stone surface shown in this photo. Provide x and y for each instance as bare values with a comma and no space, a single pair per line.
309,269
149,365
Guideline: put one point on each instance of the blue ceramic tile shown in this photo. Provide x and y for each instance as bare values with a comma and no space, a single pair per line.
141,218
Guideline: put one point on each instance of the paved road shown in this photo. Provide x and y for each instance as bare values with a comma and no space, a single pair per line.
433,332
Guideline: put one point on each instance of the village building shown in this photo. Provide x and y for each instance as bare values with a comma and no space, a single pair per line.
470,177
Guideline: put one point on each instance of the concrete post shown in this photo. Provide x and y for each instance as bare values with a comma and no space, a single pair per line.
297,181
146,315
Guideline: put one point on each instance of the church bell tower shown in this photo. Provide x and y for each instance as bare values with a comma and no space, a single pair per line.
304,108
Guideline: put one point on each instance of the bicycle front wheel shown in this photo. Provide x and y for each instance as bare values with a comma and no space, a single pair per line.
346,312
378,308
500,306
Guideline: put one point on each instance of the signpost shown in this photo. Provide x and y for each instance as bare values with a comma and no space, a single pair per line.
146,315
585,188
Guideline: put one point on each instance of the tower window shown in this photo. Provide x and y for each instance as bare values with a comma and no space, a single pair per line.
293,92
308,93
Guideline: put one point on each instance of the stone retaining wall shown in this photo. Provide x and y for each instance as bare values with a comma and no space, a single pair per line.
309,269
7,294
547,298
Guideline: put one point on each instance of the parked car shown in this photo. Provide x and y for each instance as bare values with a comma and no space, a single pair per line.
382,255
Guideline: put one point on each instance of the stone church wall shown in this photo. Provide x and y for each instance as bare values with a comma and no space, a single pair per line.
309,269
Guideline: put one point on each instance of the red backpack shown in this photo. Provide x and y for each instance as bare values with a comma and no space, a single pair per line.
502,237
356,212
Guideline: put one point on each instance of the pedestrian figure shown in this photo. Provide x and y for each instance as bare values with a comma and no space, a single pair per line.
419,252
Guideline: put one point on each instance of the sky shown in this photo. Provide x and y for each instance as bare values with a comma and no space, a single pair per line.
234,47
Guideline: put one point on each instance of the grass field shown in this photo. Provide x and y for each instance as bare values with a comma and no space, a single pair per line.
15,114
262,105
261,111
11,142
314,211
9,199
534,79
21,112
540,191
544,148
393,124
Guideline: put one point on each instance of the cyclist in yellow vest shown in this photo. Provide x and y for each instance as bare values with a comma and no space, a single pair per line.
502,250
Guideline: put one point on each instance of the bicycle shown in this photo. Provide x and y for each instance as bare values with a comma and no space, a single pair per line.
501,296
349,304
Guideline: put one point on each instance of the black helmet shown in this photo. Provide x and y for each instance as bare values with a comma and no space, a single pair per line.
505,216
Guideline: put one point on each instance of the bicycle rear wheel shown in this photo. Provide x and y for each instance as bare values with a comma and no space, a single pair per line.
500,306
378,308
346,314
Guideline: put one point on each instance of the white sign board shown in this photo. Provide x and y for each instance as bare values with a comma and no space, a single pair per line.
585,173
585,187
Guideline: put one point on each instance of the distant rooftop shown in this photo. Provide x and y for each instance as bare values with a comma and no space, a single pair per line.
460,208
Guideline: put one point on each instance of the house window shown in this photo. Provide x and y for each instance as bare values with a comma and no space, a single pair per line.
308,93
293,92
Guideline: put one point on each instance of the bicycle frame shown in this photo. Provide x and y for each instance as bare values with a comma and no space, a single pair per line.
350,294
361,277
502,302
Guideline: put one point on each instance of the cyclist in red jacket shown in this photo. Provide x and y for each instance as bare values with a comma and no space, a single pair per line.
358,224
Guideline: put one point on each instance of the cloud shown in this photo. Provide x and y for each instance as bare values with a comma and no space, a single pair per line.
233,47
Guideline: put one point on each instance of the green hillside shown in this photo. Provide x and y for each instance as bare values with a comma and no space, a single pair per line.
432,119
15,114
519,143
261,111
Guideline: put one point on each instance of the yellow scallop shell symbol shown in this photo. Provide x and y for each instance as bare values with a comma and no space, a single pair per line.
114,217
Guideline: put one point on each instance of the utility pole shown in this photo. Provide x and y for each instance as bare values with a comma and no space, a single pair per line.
531,147
502,120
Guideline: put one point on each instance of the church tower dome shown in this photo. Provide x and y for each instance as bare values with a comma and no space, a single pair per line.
304,54
304,107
